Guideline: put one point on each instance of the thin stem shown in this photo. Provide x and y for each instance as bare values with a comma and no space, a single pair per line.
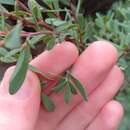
29,34
24,7
41,22
78,7
26,22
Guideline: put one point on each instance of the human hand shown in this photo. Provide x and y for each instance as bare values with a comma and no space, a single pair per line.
97,70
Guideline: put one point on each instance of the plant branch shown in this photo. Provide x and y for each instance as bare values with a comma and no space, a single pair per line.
30,34
23,6
28,23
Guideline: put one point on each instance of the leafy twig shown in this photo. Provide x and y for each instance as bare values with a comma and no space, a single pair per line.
30,34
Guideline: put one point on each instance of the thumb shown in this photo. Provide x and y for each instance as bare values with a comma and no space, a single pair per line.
19,111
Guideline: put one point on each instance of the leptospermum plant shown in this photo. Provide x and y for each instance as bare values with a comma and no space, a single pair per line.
46,23
40,24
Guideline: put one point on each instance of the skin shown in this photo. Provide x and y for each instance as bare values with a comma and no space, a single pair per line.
97,70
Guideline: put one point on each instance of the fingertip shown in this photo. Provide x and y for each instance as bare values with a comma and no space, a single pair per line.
104,48
120,73
68,48
22,108
30,86
105,44
57,60
95,63
112,114
101,55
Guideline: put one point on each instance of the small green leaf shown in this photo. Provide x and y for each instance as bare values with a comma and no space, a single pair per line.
55,21
8,2
35,8
60,86
11,56
68,94
19,74
36,70
78,7
47,102
2,23
13,52
13,39
79,86
65,27
81,21
3,51
73,89
8,59
35,40
99,21
50,43
36,12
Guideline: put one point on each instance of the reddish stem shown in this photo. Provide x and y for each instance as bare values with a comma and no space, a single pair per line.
27,23
27,34
24,7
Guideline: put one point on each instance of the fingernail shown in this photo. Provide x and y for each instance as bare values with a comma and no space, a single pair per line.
25,90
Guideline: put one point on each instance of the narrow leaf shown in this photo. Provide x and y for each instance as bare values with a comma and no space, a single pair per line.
73,89
68,94
13,39
20,71
35,8
50,43
8,59
35,39
60,86
3,51
13,52
47,102
78,7
36,70
79,86
36,12
55,21
2,23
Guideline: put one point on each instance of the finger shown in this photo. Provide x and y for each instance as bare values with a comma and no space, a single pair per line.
19,111
95,63
57,60
109,118
86,112
91,68
25,103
